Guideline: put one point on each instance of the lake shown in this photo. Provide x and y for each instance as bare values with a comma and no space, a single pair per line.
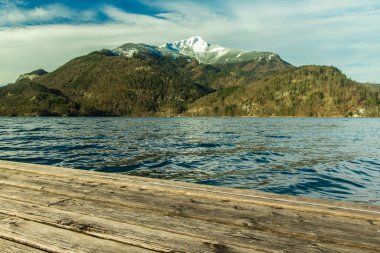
325,158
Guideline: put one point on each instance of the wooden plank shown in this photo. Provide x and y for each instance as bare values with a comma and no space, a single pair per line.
269,219
247,233
158,215
12,247
220,234
138,194
53,239
283,201
108,229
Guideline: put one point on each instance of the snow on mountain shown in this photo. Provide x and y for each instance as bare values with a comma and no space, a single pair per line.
130,49
196,47
127,53
207,53
195,44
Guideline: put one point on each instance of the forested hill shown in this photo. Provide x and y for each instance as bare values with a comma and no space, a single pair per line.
187,78
310,91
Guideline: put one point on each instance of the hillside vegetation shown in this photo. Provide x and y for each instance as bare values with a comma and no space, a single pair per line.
221,76
312,91
28,98
139,80
104,84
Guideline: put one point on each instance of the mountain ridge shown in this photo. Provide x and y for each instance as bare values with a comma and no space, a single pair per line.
207,53
196,47
190,78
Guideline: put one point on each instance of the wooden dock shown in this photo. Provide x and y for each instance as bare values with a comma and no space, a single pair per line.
50,209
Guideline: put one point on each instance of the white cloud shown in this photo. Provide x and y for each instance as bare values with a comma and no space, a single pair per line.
190,11
174,17
16,16
10,3
331,32
120,16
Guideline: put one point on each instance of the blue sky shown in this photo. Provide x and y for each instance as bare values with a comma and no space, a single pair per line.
46,34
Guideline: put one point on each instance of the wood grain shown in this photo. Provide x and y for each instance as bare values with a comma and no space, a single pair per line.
50,209
11,247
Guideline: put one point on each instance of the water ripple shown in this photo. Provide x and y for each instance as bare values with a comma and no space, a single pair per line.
325,158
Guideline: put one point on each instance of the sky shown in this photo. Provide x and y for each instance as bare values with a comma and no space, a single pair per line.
46,33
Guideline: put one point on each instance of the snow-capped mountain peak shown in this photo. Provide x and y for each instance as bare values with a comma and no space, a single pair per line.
205,52
196,47
195,44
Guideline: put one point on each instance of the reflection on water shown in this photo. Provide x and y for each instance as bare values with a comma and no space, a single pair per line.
325,158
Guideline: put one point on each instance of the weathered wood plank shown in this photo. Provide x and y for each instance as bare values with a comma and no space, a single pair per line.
247,233
158,215
52,239
275,200
136,196
108,229
281,221
169,223
12,247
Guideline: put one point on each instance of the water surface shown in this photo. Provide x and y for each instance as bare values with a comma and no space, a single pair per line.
325,158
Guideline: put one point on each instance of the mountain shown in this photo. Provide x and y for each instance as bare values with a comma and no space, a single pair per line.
218,67
188,77
206,53
146,83
307,91
197,48
230,66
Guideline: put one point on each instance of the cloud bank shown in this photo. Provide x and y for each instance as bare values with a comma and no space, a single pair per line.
330,32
